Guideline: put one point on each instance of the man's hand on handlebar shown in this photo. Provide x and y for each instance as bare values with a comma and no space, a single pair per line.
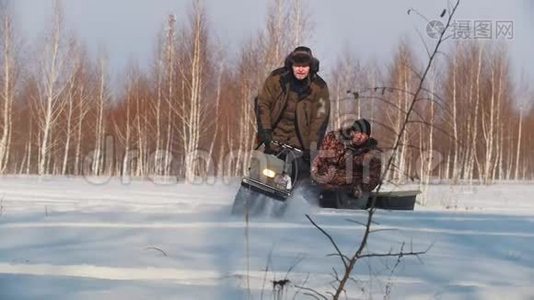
266,136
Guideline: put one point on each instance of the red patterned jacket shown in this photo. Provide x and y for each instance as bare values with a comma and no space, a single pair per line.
339,164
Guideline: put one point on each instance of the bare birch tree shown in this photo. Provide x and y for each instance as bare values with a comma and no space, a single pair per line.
102,98
300,22
70,95
170,53
82,106
8,82
401,80
194,79
54,77
347,74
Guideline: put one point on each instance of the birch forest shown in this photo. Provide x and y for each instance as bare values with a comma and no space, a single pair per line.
190,116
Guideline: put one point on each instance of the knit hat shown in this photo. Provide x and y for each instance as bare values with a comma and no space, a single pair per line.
362,125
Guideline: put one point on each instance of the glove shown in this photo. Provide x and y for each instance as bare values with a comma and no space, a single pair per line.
266,136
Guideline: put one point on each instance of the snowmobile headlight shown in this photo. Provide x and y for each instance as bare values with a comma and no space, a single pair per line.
269,173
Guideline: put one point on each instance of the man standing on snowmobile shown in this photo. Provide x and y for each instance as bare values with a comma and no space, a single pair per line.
293,106
349,159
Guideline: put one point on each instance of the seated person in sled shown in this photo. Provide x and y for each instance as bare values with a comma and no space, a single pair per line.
349,160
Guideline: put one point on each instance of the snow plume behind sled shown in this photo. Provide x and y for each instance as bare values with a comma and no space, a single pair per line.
258,204
304,200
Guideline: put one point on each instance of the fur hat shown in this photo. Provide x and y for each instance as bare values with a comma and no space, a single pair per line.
302,56
362,125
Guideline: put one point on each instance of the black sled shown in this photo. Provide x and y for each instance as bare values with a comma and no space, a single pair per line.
394,200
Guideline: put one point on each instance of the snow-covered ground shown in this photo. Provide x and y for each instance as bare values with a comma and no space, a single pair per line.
67,238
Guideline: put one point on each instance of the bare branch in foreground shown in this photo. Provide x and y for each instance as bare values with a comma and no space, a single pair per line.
343,257
349,264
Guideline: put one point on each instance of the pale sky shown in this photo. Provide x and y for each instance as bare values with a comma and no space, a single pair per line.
127,29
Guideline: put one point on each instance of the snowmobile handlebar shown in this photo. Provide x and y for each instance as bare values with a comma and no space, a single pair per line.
287,146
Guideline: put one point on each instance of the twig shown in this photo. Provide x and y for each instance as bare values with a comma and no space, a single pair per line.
278,287
298,260
269,258
247,246
343,257
336,275
390,283
360,223
396,254
157,249
303,284
383,229
315,294
355,222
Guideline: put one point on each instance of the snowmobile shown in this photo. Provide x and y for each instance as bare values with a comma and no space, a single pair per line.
269,182
272,178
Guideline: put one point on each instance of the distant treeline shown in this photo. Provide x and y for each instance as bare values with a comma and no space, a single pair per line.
191,114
